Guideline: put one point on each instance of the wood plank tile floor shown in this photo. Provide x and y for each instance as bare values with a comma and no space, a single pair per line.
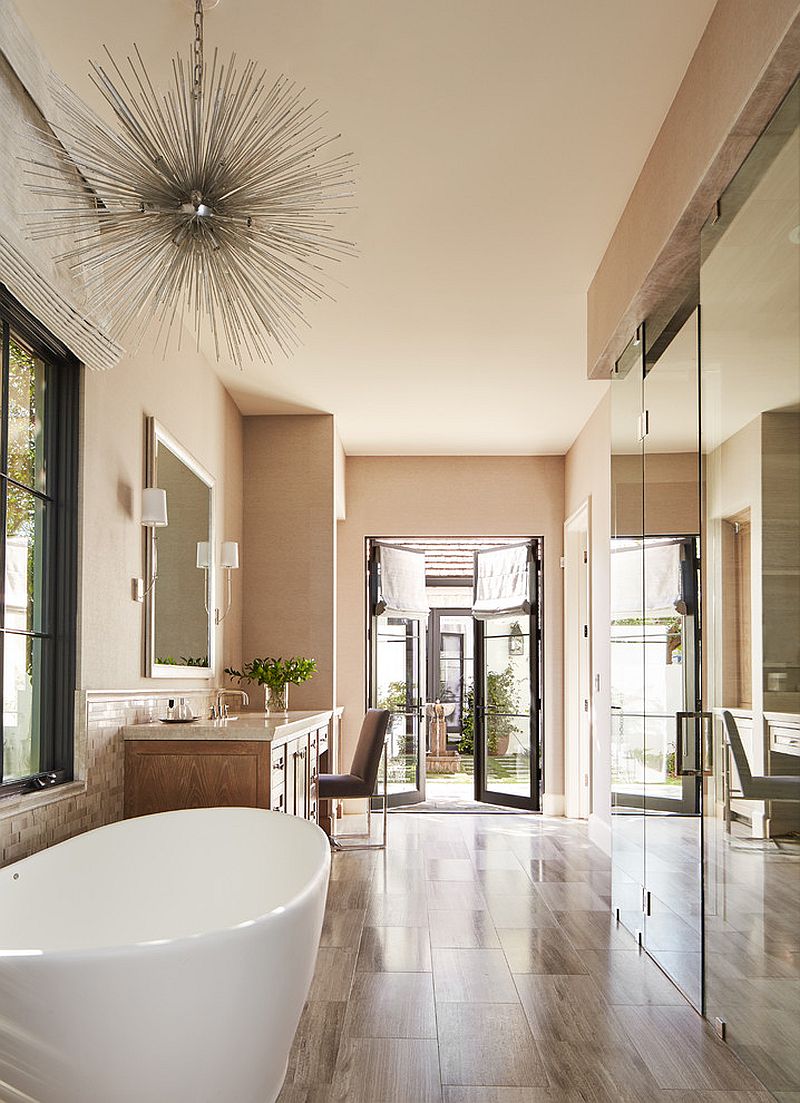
476,961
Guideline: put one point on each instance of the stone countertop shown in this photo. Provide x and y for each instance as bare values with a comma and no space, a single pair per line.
256,726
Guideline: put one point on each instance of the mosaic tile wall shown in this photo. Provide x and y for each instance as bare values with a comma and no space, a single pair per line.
34,821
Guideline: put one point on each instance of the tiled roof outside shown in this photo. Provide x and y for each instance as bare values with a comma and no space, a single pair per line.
452,558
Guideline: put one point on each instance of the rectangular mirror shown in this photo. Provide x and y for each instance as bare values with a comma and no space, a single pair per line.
179,631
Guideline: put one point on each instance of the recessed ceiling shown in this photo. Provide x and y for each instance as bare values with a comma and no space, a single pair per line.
496,146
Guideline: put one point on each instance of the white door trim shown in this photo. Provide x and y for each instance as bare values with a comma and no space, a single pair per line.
578,663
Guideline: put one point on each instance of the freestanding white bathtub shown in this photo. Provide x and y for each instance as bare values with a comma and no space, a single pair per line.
164,959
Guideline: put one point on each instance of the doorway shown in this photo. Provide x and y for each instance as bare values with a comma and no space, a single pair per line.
458,669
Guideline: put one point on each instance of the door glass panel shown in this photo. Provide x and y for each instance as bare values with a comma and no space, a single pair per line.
627,638
507,701
750,349
670,625
397,687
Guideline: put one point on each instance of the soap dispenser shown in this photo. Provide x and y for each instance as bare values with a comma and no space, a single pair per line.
170,714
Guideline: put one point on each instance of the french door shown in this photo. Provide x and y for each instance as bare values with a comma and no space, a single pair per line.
507,706
397,650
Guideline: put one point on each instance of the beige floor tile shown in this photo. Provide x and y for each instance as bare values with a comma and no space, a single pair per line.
316,1044
568,1009
520,911
488,1045
398,911
394,950
542,950
472,976
461,929
343,928
387,1070
333,975
391,1005
681,1051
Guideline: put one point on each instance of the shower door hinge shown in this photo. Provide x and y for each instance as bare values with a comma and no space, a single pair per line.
562,562
719,1027
644,424
585,556
646,901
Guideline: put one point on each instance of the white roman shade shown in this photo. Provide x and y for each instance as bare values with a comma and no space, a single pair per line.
502,582
30,269
401,583
646,584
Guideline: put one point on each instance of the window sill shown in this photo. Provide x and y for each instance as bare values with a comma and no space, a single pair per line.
25,802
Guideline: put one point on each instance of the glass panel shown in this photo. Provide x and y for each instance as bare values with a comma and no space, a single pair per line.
22,665
670,625
397,688
508,757
25,417
507,695
24,549
750,303
627,639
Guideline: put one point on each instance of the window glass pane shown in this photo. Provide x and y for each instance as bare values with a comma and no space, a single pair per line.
22,666
25,417
24,551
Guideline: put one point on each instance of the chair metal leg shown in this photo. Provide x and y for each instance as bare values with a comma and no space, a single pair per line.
360,835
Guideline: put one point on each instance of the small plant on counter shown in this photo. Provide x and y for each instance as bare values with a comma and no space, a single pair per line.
276,675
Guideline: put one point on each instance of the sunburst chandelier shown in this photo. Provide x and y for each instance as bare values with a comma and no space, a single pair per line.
212,201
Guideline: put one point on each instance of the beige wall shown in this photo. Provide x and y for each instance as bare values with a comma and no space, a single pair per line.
742,68
450,496
185,395
587,475
289,572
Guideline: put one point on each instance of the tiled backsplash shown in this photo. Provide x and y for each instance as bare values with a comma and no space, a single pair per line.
34,821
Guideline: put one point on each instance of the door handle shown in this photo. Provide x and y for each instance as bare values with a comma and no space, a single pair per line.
707,726
681,749
702,749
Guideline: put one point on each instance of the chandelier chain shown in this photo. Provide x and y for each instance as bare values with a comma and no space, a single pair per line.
198,49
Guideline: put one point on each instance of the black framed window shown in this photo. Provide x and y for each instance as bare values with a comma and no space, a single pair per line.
38,552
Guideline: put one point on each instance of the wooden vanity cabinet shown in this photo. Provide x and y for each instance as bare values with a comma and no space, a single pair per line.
163,774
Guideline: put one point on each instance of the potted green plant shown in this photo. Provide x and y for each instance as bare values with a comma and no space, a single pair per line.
275,675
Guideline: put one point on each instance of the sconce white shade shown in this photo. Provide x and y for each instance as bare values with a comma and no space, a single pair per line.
230,554
203,561
154,507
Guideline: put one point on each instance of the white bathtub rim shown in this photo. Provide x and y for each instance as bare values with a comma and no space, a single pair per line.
208,938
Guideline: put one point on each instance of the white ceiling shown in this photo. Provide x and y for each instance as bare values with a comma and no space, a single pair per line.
497,143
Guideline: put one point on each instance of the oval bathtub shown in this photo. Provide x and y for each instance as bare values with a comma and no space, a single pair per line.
164,959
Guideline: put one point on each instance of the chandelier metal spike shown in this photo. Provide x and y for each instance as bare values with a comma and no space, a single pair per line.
213,201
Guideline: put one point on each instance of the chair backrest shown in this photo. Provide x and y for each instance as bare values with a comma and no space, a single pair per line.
737,749
367,757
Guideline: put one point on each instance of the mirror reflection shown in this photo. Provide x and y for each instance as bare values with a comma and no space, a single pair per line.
180,624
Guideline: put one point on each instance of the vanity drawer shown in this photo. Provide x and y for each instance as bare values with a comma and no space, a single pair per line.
322,740
785,739
278,766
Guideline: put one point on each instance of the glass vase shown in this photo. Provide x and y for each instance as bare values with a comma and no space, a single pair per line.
276,700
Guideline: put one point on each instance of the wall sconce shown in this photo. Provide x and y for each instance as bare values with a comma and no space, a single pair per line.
229,561
154,516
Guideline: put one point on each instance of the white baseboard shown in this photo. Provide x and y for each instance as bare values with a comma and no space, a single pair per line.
553,804
600,833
